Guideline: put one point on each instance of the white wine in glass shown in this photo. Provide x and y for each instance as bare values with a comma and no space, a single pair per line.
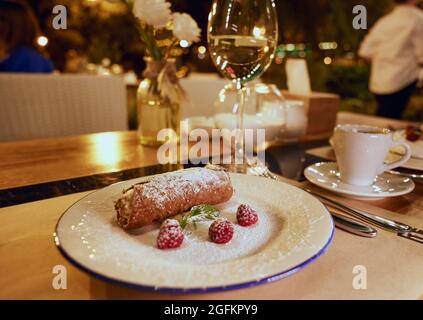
242,57
242,39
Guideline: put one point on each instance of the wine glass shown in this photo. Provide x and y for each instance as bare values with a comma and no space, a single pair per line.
242,39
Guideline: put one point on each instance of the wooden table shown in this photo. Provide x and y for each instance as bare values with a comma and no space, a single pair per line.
28,253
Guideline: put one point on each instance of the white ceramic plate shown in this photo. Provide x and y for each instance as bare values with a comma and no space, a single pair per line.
293,230
326,176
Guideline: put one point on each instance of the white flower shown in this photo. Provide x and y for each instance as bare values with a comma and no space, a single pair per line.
185,27
153,12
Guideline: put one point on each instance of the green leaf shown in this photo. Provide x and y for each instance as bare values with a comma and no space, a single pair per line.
199,213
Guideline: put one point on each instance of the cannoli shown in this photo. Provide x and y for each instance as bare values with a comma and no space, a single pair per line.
170,194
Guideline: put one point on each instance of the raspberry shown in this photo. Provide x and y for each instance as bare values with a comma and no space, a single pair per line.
221,231
170,235
246,215
413,133
413,136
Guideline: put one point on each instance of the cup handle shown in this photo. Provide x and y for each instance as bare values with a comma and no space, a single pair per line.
404,159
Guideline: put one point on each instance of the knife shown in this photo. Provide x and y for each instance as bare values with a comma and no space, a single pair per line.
400,228
353,226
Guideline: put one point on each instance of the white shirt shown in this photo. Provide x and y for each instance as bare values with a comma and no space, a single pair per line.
395,47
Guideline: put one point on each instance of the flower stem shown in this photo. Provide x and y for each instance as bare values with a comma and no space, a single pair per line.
147,35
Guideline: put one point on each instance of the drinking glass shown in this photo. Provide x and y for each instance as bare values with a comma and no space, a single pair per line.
242,39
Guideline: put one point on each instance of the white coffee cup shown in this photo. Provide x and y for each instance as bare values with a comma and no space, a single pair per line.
361,150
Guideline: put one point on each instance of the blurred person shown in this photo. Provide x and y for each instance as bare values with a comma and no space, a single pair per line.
18,35
394,46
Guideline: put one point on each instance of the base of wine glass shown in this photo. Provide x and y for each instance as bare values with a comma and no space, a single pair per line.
235,168
249,166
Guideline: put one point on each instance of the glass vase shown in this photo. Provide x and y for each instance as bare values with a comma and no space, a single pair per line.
156,111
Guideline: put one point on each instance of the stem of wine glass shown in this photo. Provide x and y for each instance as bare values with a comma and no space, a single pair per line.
239,143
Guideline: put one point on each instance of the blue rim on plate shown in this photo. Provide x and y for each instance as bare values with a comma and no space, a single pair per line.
265,280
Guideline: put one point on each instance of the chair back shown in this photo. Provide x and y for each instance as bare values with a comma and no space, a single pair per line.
40,106
202,91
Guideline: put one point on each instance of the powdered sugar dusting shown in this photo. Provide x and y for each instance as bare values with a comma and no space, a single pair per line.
177,184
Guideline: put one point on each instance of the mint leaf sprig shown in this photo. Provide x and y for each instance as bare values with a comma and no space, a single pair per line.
199,213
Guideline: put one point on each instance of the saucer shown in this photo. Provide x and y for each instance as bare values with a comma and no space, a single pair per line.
326,176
